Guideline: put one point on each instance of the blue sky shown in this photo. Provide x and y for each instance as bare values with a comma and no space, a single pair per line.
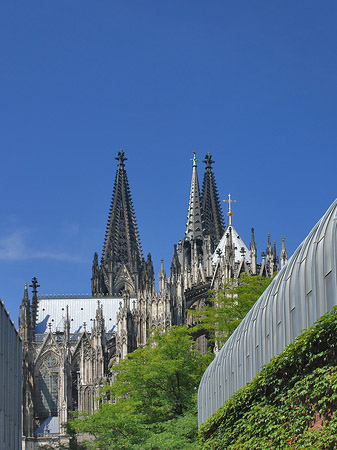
252,82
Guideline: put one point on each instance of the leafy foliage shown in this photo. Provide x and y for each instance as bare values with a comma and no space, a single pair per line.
289,404
155,388
229,306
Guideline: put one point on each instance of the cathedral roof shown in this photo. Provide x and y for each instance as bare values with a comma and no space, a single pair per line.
53,310
238,245
50,426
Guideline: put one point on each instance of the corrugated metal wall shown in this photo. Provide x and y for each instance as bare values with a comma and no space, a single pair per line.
10,383
303,291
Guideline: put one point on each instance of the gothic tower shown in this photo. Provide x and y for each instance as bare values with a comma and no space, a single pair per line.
193,255
122,262
213,219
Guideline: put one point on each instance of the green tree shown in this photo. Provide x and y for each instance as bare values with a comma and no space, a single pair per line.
155,388
228,307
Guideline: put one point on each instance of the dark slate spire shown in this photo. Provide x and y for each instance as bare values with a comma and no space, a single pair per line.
122,251
213,218
195,223
24,319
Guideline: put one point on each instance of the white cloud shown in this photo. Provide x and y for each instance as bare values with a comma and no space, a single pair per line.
71,229
14,247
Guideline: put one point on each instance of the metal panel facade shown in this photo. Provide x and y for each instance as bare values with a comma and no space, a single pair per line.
304,290
10,383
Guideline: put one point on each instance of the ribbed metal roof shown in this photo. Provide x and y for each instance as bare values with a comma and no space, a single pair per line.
304,290
53,310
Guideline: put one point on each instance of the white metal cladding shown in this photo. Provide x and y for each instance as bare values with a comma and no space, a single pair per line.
303,291
10,383
52,310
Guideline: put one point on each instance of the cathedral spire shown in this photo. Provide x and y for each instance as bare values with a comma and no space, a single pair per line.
122,251
195,222
213,218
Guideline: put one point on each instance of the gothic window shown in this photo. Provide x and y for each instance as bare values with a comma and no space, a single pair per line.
87,400
47,386
74,388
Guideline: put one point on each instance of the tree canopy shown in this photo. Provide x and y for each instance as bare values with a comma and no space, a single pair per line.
228,306
152,397
151,402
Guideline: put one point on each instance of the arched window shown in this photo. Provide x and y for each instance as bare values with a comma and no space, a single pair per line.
47,386
88,400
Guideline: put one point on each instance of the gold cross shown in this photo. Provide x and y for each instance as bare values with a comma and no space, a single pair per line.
229,214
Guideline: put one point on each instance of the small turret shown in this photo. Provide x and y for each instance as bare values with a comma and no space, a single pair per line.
229,255
175,264
67,327
263,268
150,272
162,277
283,254
24,319
269,257
275,260
253,254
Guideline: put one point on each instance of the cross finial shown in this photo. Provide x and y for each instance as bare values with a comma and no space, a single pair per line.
34,285
208,160
194,159
229,214
120,158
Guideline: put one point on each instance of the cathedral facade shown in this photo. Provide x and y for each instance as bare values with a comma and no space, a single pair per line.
71,342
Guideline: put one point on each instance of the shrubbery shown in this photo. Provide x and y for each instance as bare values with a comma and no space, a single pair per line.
289,404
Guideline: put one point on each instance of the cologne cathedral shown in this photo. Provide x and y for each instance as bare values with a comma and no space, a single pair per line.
71,342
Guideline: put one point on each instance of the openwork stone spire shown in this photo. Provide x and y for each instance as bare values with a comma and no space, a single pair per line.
122,255
122,243
213,218
195,223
